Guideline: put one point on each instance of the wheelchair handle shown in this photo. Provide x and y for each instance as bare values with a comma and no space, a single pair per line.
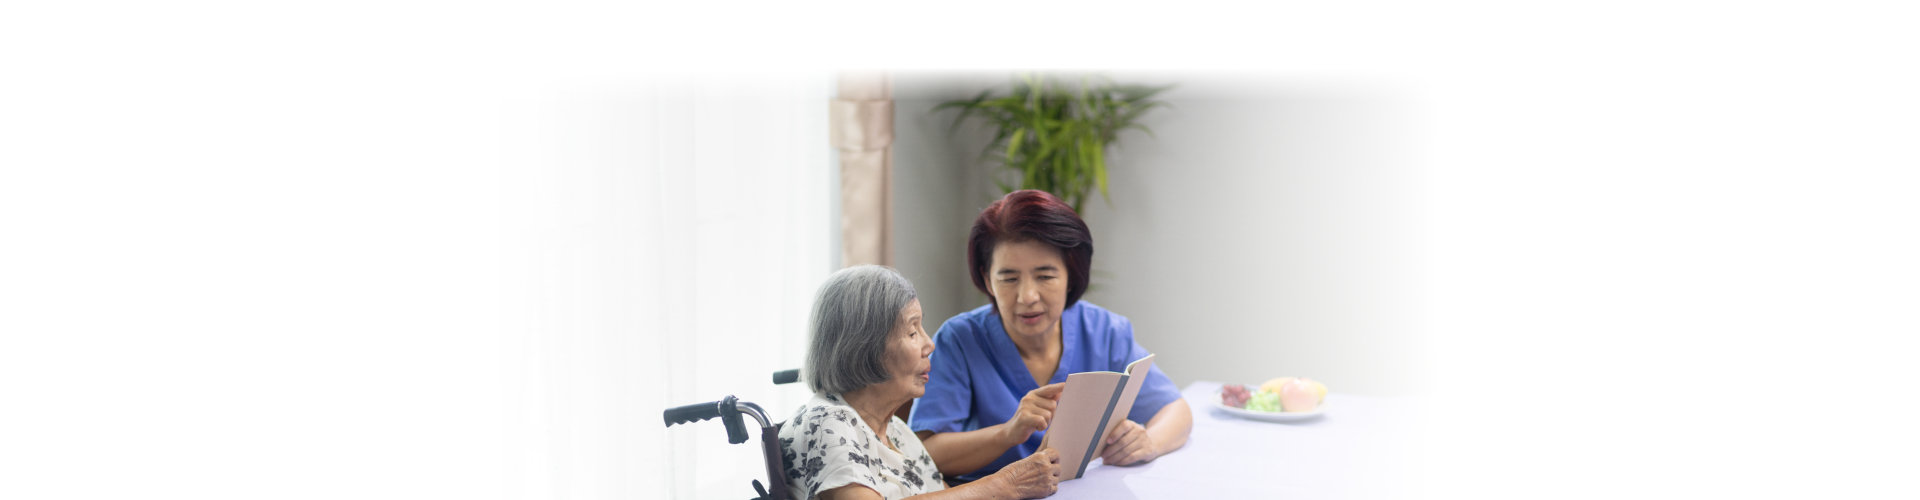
696,412
729,409
786,376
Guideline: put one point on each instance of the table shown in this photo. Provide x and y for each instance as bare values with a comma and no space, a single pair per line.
1362,447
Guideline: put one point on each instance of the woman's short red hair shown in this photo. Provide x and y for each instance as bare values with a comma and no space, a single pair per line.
1031,215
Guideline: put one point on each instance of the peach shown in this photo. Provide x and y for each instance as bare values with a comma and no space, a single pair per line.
1300,395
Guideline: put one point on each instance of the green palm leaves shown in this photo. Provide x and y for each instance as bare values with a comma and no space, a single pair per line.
1054,138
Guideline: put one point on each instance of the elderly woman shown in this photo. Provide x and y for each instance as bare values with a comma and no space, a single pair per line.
868,355
998,369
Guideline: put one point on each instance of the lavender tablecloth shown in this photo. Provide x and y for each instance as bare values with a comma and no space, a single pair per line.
1359,448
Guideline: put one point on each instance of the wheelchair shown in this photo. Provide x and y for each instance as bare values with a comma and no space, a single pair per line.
729,410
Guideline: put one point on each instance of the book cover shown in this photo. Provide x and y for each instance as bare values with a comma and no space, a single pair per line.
1091,405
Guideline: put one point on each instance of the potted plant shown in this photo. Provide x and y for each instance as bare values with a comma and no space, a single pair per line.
1055,138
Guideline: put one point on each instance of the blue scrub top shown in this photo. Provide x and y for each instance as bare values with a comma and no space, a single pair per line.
978,378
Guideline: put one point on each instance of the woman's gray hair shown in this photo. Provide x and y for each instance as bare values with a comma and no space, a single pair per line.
853,313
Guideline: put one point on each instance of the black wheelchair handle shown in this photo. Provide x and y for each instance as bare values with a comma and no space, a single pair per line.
692,412
786,376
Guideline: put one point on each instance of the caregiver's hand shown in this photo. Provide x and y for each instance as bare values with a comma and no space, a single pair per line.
1128,444
1035,413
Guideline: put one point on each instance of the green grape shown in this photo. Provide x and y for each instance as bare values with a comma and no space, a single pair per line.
1264,401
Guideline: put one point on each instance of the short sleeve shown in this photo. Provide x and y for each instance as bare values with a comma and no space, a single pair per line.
948,402
1158,390
832,453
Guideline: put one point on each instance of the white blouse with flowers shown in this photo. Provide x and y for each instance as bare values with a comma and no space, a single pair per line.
827,446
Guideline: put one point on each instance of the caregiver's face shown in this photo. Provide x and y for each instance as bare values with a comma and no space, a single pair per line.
1029,283
908,351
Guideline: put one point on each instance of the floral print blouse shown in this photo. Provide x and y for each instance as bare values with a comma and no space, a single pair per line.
827,446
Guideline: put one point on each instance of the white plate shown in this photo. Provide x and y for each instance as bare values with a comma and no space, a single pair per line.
1285,416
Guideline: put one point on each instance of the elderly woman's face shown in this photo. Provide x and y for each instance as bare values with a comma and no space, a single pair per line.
908,351
1029,283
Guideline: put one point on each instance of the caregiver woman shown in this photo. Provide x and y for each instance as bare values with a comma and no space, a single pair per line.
998,369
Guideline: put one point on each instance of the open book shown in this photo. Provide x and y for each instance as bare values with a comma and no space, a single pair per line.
1091,405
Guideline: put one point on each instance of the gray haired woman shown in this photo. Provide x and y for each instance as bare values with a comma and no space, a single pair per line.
868,354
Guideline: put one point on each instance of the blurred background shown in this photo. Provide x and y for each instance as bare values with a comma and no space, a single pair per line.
1267,225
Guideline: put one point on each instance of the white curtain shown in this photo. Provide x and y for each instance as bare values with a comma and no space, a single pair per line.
670,254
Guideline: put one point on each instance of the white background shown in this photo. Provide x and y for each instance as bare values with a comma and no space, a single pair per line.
272,252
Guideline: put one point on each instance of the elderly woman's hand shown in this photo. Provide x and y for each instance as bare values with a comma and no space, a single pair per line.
1036,476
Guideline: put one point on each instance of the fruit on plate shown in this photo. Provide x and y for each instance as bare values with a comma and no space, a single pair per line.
1264,401
1235,395
1296,394
1299,395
